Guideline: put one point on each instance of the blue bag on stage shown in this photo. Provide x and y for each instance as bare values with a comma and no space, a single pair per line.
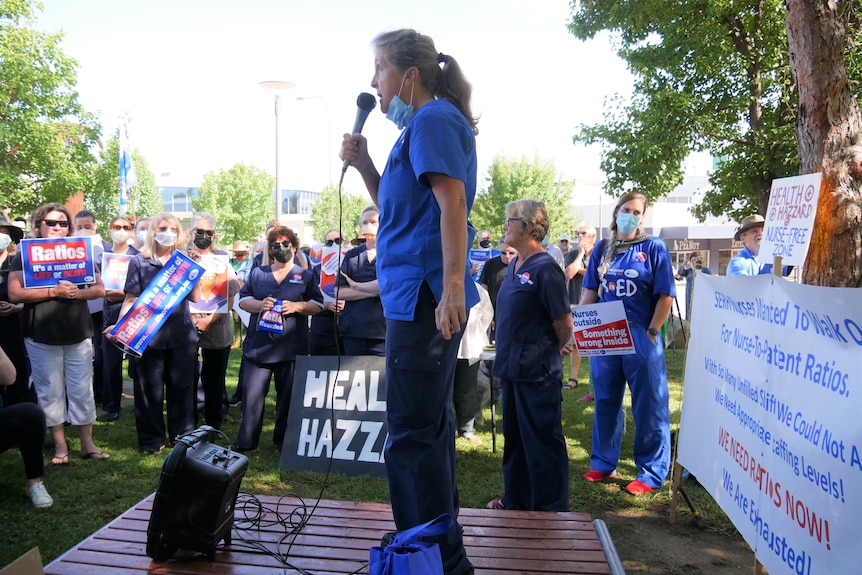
407,555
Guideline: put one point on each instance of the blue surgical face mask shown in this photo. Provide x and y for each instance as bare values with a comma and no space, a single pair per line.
5,240
627,223
399,112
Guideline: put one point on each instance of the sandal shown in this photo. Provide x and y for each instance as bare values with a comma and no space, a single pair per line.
60,459
98,455
572,384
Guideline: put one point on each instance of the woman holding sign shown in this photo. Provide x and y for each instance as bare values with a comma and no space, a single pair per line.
534,327
57,332
121,231
167,368
280,296
636,269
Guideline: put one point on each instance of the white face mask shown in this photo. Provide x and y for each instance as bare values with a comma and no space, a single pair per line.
166,239
120,236
141,235
5,240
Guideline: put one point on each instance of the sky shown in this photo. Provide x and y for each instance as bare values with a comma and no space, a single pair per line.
187,74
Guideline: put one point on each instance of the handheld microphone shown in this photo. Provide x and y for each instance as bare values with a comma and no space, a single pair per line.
364,104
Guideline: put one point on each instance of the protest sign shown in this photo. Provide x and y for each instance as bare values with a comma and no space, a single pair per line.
47,261
602,329
330,264
790,219
770,422
114,270
151,309
337,412
214,285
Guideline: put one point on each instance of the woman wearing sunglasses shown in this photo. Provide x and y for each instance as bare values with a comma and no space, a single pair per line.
292,292
121,231
57,334
166,371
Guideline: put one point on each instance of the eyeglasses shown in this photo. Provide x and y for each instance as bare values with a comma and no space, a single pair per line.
53,223
207,233
285,244
336,241
117,227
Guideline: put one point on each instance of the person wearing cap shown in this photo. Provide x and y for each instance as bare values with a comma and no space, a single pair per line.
10,322
563,243
241,262
745,263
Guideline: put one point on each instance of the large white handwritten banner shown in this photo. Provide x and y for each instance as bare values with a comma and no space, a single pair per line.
338,413
771,422
790,219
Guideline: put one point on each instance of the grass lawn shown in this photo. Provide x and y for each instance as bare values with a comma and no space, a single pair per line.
89,494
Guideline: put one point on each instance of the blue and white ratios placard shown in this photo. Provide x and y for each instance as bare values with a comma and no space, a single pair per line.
151,309
790,219
770,421
46,261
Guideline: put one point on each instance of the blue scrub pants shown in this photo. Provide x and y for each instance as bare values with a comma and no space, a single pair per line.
535,460
647,378
165,375
254,389
420,449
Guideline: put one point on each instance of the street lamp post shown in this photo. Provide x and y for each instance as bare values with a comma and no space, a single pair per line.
277,89
328,129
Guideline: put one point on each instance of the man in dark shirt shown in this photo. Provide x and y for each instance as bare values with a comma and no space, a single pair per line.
493,273
576,265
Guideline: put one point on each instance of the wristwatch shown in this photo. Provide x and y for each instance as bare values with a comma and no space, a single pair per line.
652,331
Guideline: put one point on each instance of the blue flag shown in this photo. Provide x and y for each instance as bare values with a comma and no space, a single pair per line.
128,179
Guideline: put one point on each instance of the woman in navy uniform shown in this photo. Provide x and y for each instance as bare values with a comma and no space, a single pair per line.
424,194
166,371
362,324
271,353
635,269
534,326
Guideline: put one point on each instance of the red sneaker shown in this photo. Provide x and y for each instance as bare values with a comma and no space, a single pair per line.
595,475
637,487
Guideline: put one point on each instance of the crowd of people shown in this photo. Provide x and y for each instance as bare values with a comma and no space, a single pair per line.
412,289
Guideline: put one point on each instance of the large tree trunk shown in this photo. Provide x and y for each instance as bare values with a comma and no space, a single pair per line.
829,134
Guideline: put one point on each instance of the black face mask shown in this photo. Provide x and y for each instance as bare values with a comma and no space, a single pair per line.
282,255
485,244
202,242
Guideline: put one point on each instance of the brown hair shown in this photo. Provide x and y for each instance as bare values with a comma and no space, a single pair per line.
38,215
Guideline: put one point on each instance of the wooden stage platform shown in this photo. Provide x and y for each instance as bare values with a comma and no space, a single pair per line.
336,540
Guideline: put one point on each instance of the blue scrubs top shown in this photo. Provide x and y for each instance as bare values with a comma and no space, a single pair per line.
637,277
438,139
528,302
364,317
179,329
266,347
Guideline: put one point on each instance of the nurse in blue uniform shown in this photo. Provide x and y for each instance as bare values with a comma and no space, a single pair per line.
636,269
166,371
268,353
424,194
534,327
361,323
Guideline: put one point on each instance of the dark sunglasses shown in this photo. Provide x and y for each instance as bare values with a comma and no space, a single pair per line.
336,241
52,223
207,233
285,244
117,227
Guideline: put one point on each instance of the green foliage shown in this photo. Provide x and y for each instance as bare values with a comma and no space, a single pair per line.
45,135
508,180
241,199
331,206
709,75
103,195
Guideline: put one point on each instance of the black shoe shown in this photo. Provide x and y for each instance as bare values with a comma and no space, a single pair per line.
112,416
387,538
235,400
239,449
152,449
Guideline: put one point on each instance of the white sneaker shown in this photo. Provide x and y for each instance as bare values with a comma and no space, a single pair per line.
38,496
